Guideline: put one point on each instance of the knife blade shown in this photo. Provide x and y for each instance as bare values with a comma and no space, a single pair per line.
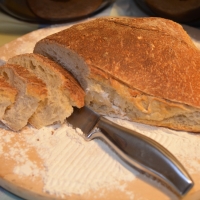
138,150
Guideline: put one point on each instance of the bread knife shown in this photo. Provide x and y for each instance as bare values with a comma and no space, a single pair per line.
137,150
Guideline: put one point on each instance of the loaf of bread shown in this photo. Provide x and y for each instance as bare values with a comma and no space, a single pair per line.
7,95
63,90
141,69
31,93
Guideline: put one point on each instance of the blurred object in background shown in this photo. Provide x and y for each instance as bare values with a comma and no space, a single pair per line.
182,11
53,11
11,28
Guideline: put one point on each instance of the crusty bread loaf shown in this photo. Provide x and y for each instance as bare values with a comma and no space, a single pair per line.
144,69
7,95
31,93
63,90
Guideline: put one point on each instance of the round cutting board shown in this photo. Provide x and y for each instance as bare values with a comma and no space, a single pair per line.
30,187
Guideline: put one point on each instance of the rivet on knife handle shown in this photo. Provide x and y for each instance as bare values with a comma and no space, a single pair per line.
144,153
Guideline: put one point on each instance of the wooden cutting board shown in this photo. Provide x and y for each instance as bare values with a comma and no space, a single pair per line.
144,188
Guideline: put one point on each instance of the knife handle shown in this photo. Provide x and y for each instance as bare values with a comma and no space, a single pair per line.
145,154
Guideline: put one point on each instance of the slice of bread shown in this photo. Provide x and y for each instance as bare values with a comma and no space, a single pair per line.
7,95
142,69
31,93
63,90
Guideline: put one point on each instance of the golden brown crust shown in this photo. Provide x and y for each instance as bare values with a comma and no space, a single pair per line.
157,57
7,90
35,86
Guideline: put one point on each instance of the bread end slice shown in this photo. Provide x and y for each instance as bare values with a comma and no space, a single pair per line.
31,92
63,90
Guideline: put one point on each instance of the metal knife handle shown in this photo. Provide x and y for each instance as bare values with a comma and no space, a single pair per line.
145,154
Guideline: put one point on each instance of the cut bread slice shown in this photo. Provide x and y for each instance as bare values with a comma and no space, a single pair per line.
7,95
63,90
31,93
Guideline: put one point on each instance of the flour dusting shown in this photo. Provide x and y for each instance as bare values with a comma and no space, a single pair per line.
77,165
72,165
